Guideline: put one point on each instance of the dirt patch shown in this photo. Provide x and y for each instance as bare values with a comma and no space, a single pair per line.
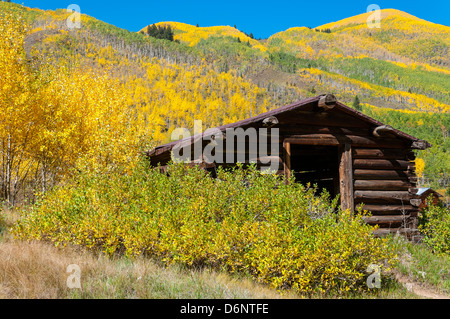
419,289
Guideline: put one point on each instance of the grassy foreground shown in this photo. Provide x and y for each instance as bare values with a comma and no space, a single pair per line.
39,270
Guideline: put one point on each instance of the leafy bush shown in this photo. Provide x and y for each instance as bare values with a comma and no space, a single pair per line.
242,221
435,225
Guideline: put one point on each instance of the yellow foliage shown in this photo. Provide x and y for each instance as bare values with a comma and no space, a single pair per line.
192,35
354,87
420,167
54,117
279,233
63,113
362,18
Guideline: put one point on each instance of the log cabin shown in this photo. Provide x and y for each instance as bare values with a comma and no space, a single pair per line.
424,193
321,141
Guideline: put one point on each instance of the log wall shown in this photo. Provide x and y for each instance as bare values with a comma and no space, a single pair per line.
376,171
385,182
382,175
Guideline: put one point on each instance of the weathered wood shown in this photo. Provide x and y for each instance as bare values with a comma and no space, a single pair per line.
327,102
383,174
270,121
387,209
381,185
381,130
387,220
401,195
333,119
287,159
419,145
415,202
346,177
291,129
355,141
382,164
382,196
398,154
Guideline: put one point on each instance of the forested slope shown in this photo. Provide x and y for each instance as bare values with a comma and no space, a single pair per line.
219,75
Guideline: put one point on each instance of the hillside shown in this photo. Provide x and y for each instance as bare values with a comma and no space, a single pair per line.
404,64
79,106
400,72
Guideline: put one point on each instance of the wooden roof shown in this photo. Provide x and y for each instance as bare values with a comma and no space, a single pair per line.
423,192
294,106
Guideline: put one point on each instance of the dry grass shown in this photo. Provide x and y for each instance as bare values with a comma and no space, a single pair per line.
39,270
33,270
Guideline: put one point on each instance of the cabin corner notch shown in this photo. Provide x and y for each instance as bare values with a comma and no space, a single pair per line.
327,102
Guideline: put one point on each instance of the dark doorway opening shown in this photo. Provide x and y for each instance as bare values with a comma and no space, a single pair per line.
317,165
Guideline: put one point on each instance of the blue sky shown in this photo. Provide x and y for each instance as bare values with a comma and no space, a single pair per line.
262,18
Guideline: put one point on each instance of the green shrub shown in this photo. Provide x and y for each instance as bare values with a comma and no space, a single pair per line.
242,221
435,226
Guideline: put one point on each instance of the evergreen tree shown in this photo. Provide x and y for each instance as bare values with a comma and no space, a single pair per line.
160,32
168,33
356,104
152,31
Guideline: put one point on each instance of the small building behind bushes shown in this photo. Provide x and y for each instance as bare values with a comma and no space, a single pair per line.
322,142
424,193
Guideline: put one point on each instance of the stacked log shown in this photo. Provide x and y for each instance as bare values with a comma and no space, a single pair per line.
384,184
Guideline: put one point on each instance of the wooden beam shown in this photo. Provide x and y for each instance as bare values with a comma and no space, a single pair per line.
327,102
420,145
382,164
292,129
334,139
415,202
287,159
346,177
382,129
381,185
270,121
331,119
398,154
387,209
384,174
387,220
383,196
